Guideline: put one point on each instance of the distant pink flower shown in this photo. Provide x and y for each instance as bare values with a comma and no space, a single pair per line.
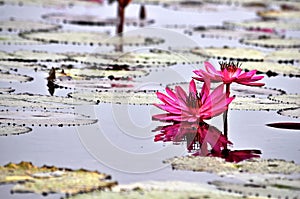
192,107
193,134
229,73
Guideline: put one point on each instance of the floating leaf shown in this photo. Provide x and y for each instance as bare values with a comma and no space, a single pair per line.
219,166
263,25
16,40
6,90
245,3
34,56
93,20
15,65
13,130
285,125
284,55
291,112
236,89
239,54
52,3
156,189
272,68
279,14
223,32
50,179
39,101
274,42
286,98
271,188
90,38
9,77
44,118
129,97
20,25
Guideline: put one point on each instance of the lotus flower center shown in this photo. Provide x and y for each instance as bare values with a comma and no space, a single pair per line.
229,66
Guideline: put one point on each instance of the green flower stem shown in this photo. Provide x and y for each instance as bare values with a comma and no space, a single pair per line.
225,114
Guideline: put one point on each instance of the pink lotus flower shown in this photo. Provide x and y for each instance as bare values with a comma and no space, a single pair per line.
195,134
192,107
229,73
236,155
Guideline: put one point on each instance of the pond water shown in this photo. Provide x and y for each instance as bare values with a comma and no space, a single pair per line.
121,143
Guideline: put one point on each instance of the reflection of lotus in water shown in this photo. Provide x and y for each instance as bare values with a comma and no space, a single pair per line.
203,139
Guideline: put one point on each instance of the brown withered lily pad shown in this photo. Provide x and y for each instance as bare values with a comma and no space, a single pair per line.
93,20
261,25
27,100
150,59
21,25
43,118
273,42
269,188
220,166
50,179
6,130
11,77
284,56
272,68
279,14
223,32
90,38
231,53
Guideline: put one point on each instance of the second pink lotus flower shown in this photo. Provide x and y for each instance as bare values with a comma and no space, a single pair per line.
194,106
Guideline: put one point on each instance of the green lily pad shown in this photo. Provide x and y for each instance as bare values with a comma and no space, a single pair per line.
271,188
21,25
292,112
16,40
272,68
156,190
150,59
236,89
223,32
15,65
220,166
93,20
39,101
273,42
6,90
44,118
34,56
286,98
227,53
270,24
13,130
126,97
50,179
9,77
89,38
284,55
279,14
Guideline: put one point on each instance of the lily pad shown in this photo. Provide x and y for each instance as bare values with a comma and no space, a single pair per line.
52,3
44,118
137,97
89,38
9,77
292,112
286,98
273,42
230,53
93,20
26,100
50,179
236,89
262,25
279,14
13,130
223,32
6,90
35,56
16,40
272,188
284,56
245,3
272,68
21,25
15,65
220,166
